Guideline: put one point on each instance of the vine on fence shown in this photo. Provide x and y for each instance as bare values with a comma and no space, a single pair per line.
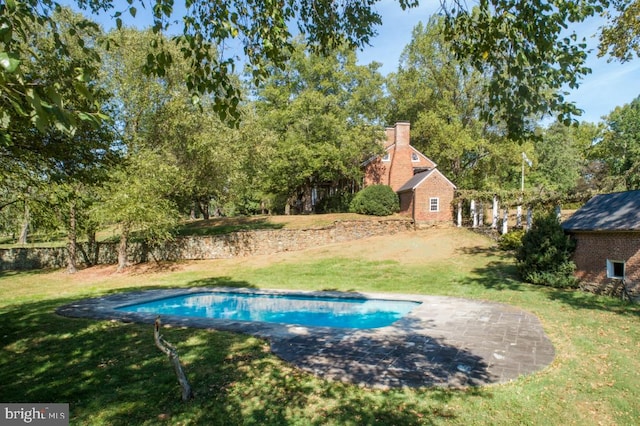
528,198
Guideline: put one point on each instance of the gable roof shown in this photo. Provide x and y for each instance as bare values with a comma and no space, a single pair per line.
418,178
619,211
390,148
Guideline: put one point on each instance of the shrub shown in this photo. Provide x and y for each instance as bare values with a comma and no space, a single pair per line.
545,255
376,200
511,240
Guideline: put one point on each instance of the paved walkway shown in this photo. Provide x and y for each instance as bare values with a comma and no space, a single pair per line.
446,341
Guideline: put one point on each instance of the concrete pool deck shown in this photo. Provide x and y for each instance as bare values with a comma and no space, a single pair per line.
446,341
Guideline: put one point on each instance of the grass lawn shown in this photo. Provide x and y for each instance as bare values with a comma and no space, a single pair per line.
111,373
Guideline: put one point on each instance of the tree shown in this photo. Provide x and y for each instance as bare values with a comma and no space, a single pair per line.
561,156
522,47
439,95
33,93
263,29
323,111
49,168
619,148
518,42
137,197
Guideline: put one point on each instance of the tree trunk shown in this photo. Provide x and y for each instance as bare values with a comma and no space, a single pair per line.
24,229
203,204
122,248
92,247
71,243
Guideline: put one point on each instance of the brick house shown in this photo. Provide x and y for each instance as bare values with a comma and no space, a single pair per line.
425,193
607,232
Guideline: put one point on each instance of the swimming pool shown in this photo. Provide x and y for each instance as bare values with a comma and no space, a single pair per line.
315,311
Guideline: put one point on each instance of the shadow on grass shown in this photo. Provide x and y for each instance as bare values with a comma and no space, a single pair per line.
111,373
498,274
502,274
579,299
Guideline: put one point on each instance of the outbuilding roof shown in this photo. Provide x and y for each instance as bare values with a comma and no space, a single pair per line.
619,211
418,178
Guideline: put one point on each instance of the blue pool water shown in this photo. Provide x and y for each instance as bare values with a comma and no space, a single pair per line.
287,309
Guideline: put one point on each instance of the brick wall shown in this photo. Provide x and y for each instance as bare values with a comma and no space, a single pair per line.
592,251
376,173
418,203
237,244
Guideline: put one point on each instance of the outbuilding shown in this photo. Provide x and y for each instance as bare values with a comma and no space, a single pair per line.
607,233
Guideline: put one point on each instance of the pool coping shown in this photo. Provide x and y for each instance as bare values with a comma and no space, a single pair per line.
445,341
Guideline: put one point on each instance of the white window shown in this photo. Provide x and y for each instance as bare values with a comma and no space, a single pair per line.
434,204
414,157
615,269
386,157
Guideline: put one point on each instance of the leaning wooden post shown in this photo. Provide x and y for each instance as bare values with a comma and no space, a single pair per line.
459,213
171,352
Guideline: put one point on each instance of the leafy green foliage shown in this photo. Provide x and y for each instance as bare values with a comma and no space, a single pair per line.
376,200
620,38
34,94
262,29
512,240
619,149
519,45
517,42
560,156
545,255
322,112
335,203
439,95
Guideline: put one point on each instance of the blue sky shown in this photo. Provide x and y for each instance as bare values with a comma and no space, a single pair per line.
609,85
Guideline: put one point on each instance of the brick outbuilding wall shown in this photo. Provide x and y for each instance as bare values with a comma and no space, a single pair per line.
592,251
438,187
416,203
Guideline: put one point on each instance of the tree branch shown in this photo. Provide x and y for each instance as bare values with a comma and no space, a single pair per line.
171,352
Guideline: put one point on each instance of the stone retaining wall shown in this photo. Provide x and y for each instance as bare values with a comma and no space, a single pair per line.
236,244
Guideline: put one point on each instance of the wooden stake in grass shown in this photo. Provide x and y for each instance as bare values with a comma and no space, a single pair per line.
172,353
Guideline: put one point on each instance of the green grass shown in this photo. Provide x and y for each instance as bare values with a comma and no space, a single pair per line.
221,227
111,373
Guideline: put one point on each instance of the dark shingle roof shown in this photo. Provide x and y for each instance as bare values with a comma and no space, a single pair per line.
619,211
415,180
418,178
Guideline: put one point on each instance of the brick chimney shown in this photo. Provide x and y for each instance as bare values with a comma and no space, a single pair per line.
402,133
390,133
398,134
